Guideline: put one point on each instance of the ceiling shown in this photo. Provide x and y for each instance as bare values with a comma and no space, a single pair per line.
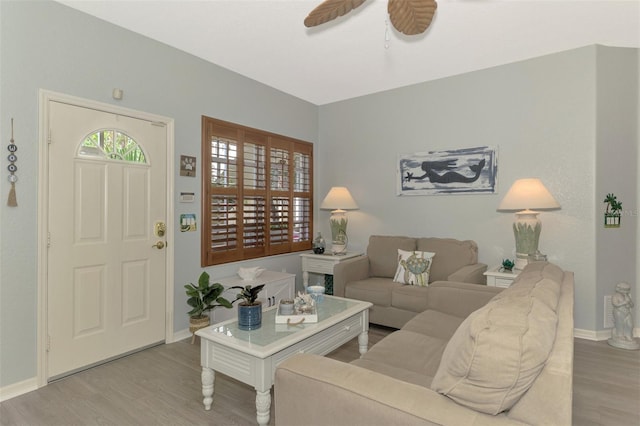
359,54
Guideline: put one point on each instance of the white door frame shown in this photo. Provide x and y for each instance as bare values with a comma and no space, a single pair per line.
45,96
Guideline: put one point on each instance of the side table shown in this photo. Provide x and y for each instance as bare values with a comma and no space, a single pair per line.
323,264
498,278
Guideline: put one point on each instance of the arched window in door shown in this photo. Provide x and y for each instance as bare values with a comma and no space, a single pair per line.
112,145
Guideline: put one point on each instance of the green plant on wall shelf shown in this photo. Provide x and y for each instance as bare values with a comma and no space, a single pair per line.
612,214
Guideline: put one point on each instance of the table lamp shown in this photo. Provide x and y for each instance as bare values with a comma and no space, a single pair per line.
338,200
525,195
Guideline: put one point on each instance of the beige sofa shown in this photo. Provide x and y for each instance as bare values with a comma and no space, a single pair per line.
371,277
509,362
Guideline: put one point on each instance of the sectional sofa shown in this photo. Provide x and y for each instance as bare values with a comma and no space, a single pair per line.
508,362
374,277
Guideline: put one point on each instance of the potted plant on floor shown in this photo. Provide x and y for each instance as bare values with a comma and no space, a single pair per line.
250,309
203,298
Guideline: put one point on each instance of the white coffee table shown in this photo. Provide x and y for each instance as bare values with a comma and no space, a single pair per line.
252,356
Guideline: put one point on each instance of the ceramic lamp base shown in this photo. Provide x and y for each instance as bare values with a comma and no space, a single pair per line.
521,261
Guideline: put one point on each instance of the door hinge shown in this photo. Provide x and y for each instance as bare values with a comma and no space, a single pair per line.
48,239
48,343
49,137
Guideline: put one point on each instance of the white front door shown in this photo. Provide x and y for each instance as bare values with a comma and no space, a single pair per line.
106,275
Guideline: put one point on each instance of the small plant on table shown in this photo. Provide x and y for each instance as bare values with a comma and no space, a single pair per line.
507,265
250,309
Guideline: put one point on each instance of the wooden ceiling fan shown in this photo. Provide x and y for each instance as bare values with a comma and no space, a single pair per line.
410,17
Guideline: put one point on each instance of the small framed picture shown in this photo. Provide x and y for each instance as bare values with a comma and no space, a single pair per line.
187,166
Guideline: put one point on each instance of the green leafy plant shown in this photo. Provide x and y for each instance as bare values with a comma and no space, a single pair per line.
205,296
613,205
248,294
508,265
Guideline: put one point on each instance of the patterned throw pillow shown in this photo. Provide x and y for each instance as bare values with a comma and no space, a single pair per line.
413,267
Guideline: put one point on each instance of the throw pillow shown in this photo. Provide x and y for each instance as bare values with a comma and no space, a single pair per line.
499,350
413,267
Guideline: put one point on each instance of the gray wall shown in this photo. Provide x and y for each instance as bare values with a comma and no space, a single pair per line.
616,171
49,46
545,117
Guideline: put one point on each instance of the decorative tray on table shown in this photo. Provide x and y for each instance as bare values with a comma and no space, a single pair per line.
304,311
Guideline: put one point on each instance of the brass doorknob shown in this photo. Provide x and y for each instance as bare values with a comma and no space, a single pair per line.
159,245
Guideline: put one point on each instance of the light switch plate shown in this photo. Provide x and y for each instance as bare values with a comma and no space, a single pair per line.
188,222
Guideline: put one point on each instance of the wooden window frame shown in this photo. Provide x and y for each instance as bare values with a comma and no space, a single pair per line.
231,233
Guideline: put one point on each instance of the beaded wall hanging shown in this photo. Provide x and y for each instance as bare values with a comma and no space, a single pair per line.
13,148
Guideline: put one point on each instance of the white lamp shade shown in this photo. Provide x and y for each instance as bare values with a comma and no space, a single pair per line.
339,198
528,194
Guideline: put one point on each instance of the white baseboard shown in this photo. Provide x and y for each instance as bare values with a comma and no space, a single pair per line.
592,334
598,335
180,335
17,389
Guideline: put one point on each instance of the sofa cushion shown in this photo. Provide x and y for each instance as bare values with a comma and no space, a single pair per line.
383,253
375,290
499,350
413,267
451,255
435,324
411,298
405,355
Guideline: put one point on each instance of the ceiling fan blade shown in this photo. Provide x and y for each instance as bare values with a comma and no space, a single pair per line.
330,10
411,17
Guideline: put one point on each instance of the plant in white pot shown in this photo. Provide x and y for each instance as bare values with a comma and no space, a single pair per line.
203,298
250,309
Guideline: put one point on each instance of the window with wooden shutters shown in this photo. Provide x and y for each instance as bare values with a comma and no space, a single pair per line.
257,193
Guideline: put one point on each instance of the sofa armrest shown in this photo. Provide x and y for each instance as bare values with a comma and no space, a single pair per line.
350,270
470,274
314,390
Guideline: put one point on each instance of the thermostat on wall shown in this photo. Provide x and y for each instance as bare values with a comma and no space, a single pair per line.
187,197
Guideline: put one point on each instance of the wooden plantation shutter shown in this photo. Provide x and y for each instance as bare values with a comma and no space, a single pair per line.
280,226
220,192
257,193
254,236
302,197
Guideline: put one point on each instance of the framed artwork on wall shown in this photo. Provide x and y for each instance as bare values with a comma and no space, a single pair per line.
457,171
187,166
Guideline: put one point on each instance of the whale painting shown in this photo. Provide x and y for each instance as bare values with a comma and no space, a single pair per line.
458,171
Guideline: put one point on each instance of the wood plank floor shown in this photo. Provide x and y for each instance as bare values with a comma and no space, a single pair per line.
161,386
606,385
